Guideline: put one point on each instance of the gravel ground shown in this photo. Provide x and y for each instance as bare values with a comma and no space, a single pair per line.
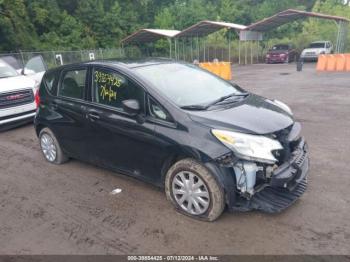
68,209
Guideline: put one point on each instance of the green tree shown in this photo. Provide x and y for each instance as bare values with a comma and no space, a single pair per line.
16,30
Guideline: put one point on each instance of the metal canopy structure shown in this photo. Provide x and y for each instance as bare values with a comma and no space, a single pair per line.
149,35
287,16
201,30
204,28
251,33
290,15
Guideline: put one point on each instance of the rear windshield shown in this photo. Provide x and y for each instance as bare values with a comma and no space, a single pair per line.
186,84
280,47
317,45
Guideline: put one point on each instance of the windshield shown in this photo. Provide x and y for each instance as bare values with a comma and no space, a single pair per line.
317,45
186,84
280,47
7,71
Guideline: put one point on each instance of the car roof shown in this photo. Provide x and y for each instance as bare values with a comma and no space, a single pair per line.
120,62
133,63
129,63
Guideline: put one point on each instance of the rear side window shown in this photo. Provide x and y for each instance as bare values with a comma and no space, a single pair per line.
73,84
111,89
50,81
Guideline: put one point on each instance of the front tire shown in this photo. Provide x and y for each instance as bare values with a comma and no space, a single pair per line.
194,191
50,147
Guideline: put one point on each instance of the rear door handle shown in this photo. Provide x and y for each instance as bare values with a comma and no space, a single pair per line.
93,116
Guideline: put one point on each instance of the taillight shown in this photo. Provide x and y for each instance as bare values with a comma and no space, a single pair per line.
37,98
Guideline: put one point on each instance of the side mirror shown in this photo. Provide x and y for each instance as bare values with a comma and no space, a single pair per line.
131,106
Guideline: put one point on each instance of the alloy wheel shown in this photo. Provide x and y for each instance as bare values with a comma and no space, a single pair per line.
48,147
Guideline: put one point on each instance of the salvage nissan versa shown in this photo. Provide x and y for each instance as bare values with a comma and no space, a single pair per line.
208,142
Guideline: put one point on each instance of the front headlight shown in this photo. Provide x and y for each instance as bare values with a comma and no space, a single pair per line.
249,147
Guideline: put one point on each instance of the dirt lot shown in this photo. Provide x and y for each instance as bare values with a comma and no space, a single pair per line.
68,209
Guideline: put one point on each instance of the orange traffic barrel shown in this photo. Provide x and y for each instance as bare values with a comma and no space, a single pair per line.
226,68
321,63
205,66
347,62
340,62
215,68
331,63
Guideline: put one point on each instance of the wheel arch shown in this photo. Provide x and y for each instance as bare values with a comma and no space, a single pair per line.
178,154
223,175
38,129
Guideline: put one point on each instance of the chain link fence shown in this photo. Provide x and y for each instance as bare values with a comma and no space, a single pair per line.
57,58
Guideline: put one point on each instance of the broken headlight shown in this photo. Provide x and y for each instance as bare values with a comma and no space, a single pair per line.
249,147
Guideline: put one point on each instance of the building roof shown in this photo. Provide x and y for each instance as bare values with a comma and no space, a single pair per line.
149,35
206,27
287,16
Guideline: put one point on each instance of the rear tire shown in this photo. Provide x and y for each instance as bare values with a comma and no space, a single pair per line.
50,147
194,191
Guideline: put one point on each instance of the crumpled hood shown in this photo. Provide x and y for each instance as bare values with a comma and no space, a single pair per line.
15,83
254,115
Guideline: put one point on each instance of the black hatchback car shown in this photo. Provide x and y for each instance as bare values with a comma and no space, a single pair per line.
208,142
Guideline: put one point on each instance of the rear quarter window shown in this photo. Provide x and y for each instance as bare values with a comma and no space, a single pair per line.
50,81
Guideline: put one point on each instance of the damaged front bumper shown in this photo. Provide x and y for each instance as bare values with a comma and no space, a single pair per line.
286,184
292,172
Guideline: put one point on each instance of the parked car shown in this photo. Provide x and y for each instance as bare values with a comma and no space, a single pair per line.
34,68
206,141
282,53
315,49
17,104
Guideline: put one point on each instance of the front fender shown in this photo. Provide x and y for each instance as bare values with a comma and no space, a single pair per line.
225,177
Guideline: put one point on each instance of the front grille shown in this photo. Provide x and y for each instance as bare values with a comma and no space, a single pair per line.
17,98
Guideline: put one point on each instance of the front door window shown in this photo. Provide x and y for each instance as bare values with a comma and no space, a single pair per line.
111,89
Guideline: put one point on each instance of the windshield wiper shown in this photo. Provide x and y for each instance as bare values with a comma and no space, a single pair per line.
194,107
223,98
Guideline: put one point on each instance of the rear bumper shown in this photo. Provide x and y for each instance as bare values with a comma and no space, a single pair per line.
287,184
